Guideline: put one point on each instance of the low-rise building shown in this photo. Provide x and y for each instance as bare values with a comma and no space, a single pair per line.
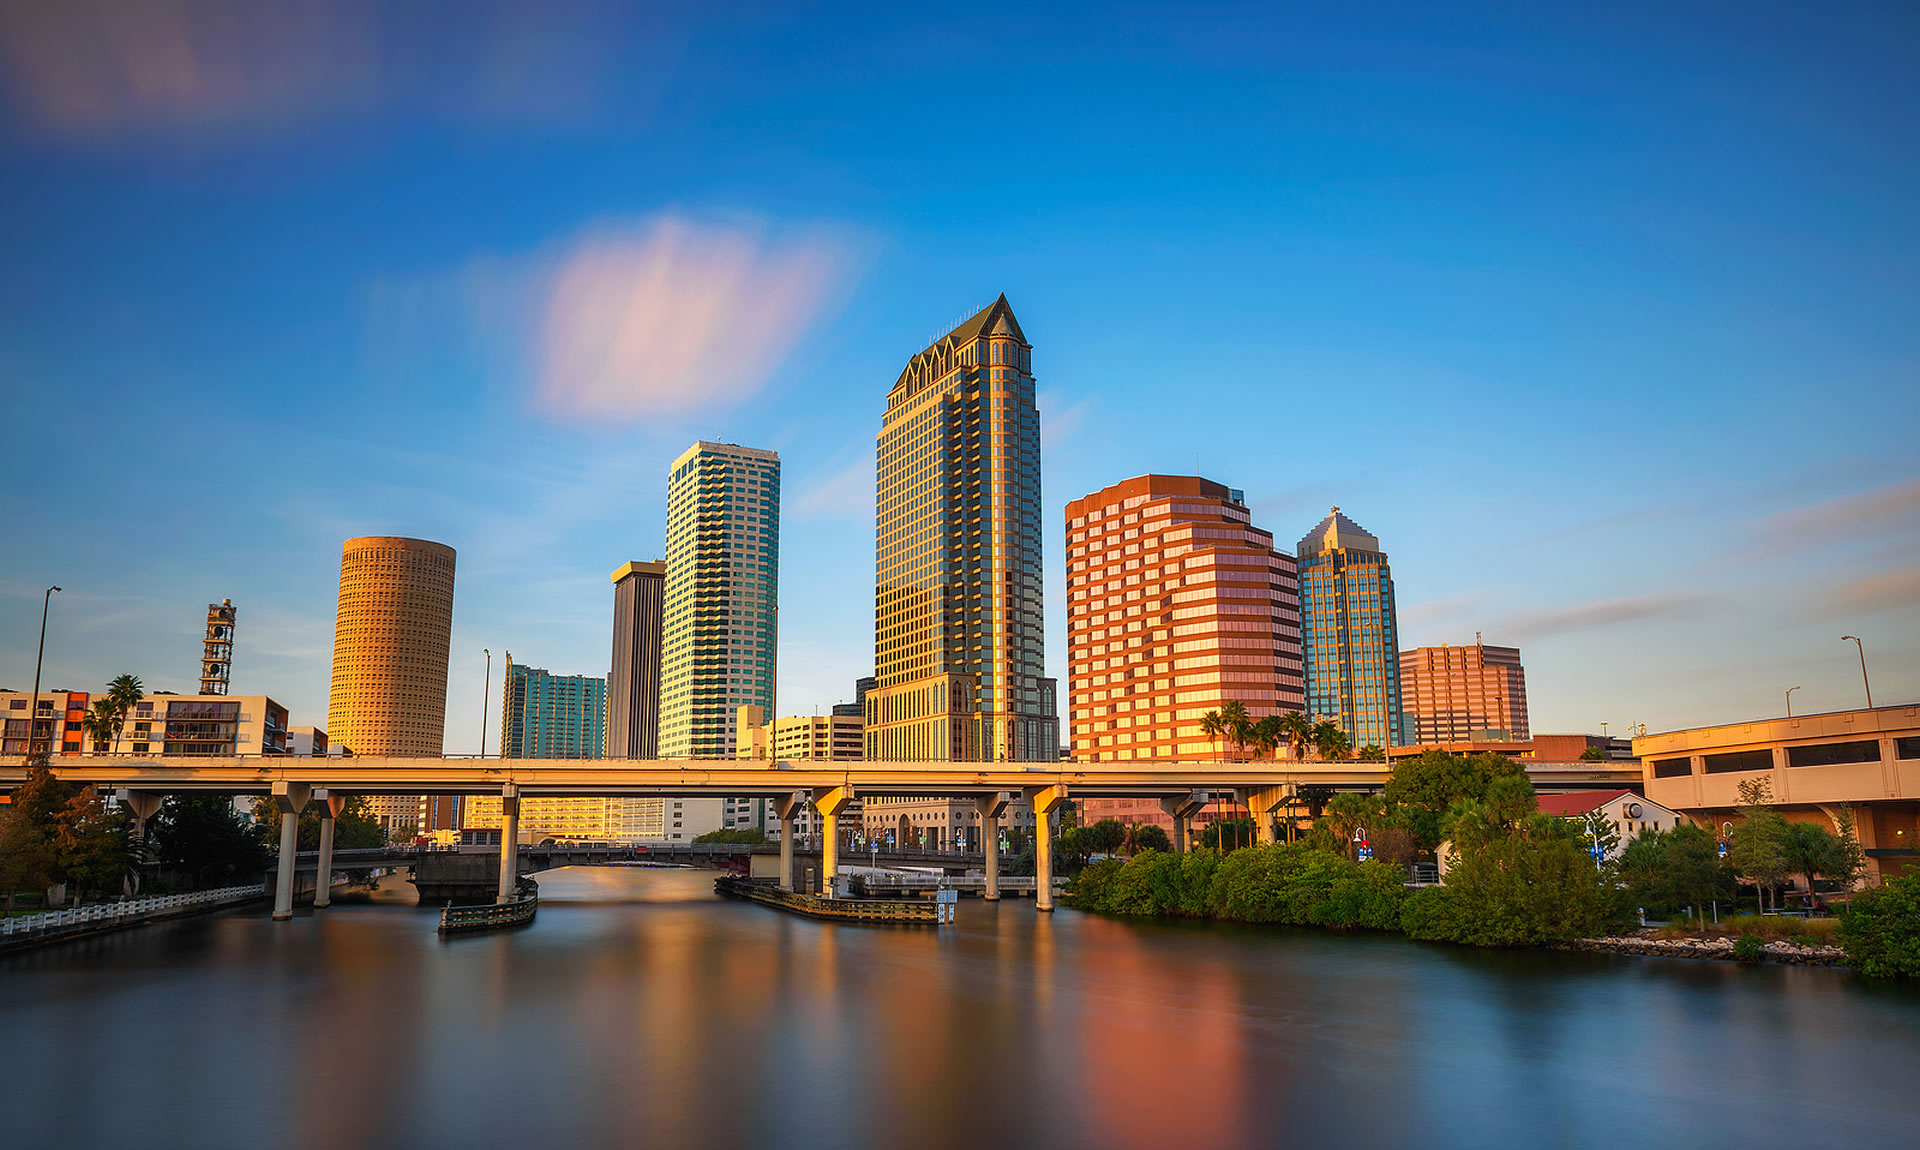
54,719
1631,814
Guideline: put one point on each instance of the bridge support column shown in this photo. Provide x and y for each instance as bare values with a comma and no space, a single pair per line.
1261,802
787,806
291,799
143,804
509,843
828,801
991,807
1183,808
330,807
1044,800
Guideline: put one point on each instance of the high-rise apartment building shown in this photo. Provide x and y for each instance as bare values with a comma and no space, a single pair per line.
1451,694
722,595
548,716
633,683
1350,633
50,725
391,638
958,605
1176,604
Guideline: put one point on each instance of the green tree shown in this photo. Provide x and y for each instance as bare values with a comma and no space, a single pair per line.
748,836
101,724
1668,870
1268,734
1214,728
1373,753
1316,797
354,828
1148,837
1330,741
1592,755
203,836
1852,859
1348,814
1758,848
1599,830
125,692
1105,836
1238,726
29,829
1535,886
1227,834
1812,850
1880,930
1297,729
1427,786
91,844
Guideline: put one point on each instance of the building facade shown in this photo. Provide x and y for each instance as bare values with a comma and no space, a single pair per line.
548,716
1448,694
1350,633
959,625
49,725
1176,604
633,682
391,638
721,597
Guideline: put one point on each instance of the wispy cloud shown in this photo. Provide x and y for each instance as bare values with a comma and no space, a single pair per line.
1893,508
1870,594
98,68
844,493
1433,610
1598,614
1059,420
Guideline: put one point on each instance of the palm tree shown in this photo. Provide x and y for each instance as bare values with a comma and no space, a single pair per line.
1297,729
101,723
1213,727
1268,735
1330,740
1239,726
125,692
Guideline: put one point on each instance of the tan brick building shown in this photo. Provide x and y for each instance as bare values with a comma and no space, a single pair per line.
1176,604
1449,694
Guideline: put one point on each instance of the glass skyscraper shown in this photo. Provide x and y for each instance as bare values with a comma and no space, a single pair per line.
958,623
723,568
548,716
1350,634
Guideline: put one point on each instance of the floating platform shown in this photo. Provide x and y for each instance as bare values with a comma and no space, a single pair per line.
878,910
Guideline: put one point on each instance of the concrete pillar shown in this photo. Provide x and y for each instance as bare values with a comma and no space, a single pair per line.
828,801
1183,808
1261,802
291,799
143,805
331,806
509,843
991,807
1044,800
787,806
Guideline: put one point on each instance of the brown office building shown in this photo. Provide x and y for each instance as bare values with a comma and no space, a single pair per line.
1454,694
633,683
390,644
1176,604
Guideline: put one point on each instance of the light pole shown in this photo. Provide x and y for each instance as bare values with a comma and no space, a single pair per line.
1790,691
33,714
486,691
1857,646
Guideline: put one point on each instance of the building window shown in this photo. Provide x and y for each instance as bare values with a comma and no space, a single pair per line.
1907,748
1738,761
1672,768
1834,754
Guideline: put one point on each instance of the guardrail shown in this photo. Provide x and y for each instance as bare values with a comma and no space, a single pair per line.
54,923
519,912
847,909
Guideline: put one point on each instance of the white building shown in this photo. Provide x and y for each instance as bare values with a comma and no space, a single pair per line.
1629,813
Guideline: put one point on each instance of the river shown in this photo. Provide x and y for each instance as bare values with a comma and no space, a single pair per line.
639,1010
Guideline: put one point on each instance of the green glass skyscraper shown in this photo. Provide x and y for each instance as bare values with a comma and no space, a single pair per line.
547,716
1349,632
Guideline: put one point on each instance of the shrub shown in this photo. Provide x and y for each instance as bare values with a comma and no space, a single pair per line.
1090,887
1881,930
1520,890
1749,948
1148,884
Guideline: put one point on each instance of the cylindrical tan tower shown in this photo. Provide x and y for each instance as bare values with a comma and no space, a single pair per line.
390,645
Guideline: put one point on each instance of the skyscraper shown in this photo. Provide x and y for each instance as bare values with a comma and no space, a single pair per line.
1454,694
1349,631
958,625
391,638
1176,604
548,716
722,602
633,684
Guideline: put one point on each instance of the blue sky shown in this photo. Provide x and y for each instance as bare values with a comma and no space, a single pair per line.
1605,323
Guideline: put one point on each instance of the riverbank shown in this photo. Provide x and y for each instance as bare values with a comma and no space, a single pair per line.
1713,949
25,931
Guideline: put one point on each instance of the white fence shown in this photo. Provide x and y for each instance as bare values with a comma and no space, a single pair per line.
56,922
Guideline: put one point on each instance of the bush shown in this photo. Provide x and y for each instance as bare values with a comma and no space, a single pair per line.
1090,886
1521,890
1774,927
1749,948
1272,884
1881,930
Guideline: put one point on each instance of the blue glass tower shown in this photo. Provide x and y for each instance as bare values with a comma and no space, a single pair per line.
1349,632
547,716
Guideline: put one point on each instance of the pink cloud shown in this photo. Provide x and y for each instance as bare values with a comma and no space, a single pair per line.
672,315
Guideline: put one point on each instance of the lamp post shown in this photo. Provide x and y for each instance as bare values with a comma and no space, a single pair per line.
33,712
1790,691
486,692
1857,646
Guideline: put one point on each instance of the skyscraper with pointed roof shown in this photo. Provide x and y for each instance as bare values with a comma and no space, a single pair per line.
958,625
1350,632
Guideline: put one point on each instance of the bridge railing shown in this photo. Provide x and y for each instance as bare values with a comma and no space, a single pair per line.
132,910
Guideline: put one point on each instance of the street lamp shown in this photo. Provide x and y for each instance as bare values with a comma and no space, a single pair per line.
1790,691
33,714
1857,646
486,689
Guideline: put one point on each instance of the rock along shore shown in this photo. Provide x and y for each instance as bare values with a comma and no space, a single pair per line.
1720,949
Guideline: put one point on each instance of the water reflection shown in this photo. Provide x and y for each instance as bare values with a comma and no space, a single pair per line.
639,1010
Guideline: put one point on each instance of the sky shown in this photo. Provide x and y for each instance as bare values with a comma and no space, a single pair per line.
1606,322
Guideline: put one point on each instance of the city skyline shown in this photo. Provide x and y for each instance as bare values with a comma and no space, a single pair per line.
1593,418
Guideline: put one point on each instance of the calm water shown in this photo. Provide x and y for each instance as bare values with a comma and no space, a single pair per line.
639,1010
